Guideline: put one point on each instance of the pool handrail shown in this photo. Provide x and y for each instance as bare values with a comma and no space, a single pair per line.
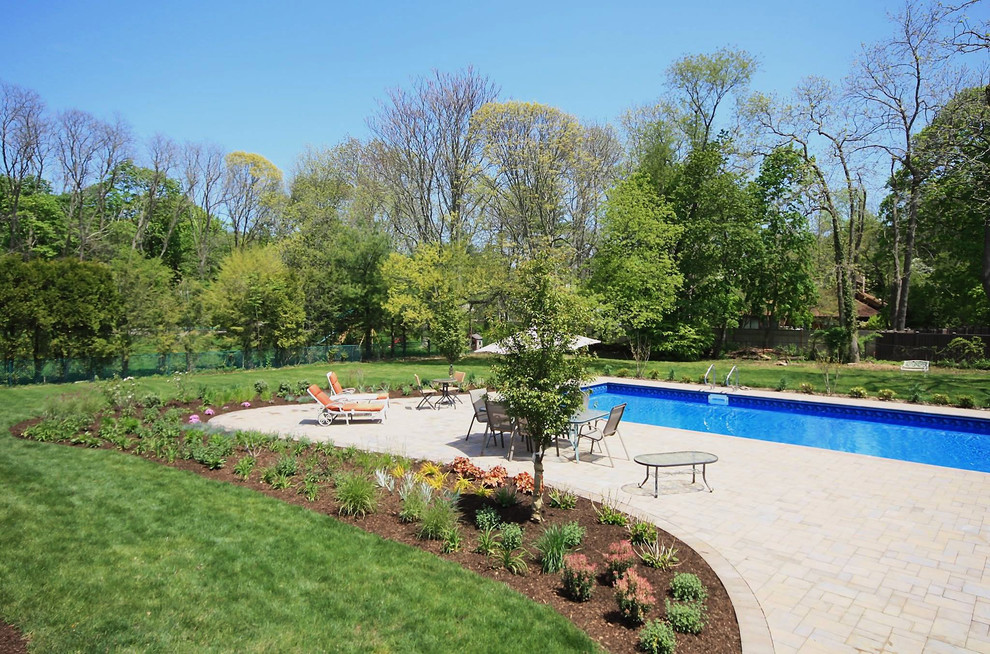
711,371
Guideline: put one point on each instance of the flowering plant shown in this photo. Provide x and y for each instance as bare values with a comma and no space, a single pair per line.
578,577
209,411
193,419
635,597
619,558
245,404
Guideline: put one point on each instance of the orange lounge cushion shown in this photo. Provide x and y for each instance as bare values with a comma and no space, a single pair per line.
335,384
373,406
382,396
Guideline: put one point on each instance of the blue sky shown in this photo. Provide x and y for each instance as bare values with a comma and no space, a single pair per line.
273,78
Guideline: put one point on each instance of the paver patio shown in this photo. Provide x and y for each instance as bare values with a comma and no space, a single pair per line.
821,551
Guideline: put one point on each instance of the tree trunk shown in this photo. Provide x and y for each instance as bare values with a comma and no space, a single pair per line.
985,270
538,484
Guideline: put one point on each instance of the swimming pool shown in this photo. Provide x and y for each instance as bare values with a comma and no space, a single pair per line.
951,441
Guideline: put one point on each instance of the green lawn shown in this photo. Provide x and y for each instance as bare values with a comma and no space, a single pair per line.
101,550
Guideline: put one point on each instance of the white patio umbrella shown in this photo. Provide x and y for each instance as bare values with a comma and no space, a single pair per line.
499,347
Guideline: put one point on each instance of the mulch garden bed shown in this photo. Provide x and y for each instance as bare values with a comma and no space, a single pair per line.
599,617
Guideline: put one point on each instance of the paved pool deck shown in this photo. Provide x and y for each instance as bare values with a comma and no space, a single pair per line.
821,551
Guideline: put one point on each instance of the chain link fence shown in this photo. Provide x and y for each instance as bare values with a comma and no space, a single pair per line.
26,371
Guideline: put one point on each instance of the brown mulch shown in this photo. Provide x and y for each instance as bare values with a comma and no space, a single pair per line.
598,617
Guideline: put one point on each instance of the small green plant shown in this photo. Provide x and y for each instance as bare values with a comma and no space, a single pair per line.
152,401
619,557
781,384
686,587
654,374
511,557
562,499
578,577
642,533
965,402
406,390
806,388
622,372
609,515
244,467
487,518
687,379
940,398
671,375
280,481
452,540
635,598
885,394
686,617
287,465
413,507
506,497
310,487
261,387
858,392
356,495
487,542
657,637
915,394
513,561
285,389
659,556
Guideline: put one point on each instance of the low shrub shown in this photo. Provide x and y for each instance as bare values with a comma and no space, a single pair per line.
512,536
524,483
686,587
885,394
619,557
781,384
940,398
609,515
635,598
806,388
657,637
858,392
671,375
261,387
578,577
965,402
654,374
687,379
687,617
487,517
622,372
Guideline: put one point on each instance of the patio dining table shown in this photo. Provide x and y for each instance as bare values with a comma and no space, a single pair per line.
583,417
445,395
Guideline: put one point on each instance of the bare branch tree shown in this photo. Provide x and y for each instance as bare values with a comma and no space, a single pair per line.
203,167
428,159
24,132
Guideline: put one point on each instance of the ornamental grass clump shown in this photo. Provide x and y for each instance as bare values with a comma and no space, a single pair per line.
554,544
634,596
578,577
356,495
618,559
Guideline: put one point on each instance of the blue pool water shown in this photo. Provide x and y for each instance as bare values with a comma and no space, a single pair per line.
948,441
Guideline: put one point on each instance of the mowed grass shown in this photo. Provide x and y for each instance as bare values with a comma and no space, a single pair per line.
105,551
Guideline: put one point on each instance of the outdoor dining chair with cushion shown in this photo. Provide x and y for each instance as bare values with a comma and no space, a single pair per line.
427,392
499,423
521,433
611,428
458,386
477,397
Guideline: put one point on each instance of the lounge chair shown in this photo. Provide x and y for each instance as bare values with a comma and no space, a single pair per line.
598,435
338,392
499,422
477,396
331,408
427,393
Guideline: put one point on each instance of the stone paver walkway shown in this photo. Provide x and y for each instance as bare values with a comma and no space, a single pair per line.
820,551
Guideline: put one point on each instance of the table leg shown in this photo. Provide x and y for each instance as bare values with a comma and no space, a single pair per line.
647,477
656,480
705,478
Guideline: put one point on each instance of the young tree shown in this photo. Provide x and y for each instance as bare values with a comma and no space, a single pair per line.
634,270
149,307
447,331
258,301
778,283
538,377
